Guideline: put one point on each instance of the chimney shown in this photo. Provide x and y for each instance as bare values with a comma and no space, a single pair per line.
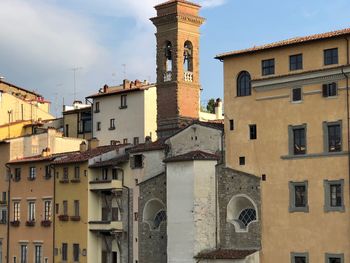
93,143
148,139
46,152
138,83
83,147
126,84
105,88
218,109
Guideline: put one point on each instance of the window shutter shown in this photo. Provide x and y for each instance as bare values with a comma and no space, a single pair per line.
132,162
324,90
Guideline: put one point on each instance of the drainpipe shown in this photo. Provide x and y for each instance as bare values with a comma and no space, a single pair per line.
128,190
53,209
8,215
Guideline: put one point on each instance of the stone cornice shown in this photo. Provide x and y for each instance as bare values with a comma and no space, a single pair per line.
177,17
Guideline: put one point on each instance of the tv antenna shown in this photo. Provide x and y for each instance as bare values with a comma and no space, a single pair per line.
75,69
124,70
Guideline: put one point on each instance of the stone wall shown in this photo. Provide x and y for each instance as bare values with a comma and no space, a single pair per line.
126,240
152,243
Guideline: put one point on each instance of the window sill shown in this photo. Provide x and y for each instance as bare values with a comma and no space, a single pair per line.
96,111
111,129
297,102
64,181
30,223
329,209
313,155
31,178
15,223
46,223
299,209
123,107
75,218
75,181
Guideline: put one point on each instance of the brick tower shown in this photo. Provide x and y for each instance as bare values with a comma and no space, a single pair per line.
178,87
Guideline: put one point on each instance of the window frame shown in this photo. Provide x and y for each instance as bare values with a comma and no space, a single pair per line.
293,255
325,63
253,132
269,69
97,107
243,89
24,253
292,205
16,211
298,64
98,126
47,210
325,126
76,208
291,129
328,256
111,124
64,253
326,88
76,252
123,101
327,196
36,259
292,95
31,211
32,173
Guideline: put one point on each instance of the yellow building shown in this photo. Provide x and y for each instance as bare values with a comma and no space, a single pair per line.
286,120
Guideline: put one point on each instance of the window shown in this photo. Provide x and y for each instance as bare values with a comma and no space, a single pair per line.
242,160
17,174
268,67
76,208
105,174
332,136
137,161
159,218
334,191
300,257
16,211
232,126
31,211
125,141
123,101
112,124
334,258
66,131
97,107
188,56
47,210
168,65
154,214
76,252
246,216
298,197
295,62
329,90
64,251
252,132
243,84
4,199
3,216
297,139
114,174
98,126
65,173
32,173
24,251
136,140
76,172
296,94
330,56
65,207
57,209
14,259
38,254
47,171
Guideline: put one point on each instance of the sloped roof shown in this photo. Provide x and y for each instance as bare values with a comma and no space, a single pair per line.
114,161
149,146
36,158
113,91
287,42
193,156
225,254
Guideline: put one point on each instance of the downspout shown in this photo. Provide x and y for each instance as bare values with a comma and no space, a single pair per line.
53,211
128,190
8,215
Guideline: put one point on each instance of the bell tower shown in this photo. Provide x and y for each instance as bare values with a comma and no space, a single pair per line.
178,87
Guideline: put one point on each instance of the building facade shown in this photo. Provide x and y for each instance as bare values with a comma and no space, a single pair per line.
287,122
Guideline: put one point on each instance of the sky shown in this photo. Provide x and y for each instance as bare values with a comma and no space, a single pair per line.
42,41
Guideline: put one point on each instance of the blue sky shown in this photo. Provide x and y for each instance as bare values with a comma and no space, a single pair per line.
42,40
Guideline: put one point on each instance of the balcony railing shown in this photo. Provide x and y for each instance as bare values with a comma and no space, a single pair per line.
105,185
106,226
188,76
168,76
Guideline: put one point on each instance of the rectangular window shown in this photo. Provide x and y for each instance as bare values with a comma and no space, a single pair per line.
138,161
296,94
105,174
334,138
295,62
66,131
3,197
114,174
31,211
299,141
112,124
14,259
65,173
76,252
16,211
32,173
329,90
65,207
3,216
38,254
98,126
136,140
76,208
242,160
334,191
268,67
97,107
298,195
232,125
252,132
330,56
47,172
76,172
125,141
123,101
300,257
334,258
64,251
17,174
24,253
47,210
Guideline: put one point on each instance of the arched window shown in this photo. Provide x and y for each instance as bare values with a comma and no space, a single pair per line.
154,213
243,84
188,56
159,218
241,212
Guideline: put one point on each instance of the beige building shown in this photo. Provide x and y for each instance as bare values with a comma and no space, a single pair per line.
287,121
125,114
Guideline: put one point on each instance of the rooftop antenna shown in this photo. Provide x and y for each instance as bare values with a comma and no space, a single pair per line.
124,70
75,69
114,80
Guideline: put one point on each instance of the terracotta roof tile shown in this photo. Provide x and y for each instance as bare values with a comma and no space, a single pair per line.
149,146
191,156
113,91
179,1
291,41
36,158
225,254
114,161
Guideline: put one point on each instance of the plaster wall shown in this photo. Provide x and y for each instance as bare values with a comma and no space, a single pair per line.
152,165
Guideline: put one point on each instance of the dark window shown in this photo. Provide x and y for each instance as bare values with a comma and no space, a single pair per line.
17,174
77,172
32,173
97,107
136,140
38,254
296,94
64,251
296,62
65,207
123,101
300,195
247,215
4,195
159,218
334,138
331,56
114,174
65,173
252,131
232,126
136,216
112,124
98,126
242,160
76,252
125,141
336,195
334,260
243,84
268,67
299,141
105,174
76,208
299,259
329,90
47,171
67,130
138,161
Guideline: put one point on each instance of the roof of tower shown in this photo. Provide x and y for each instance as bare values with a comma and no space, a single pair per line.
288,42
177,1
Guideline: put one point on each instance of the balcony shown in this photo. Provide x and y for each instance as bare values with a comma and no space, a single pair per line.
105,185
15,223
63,217
188,76
106,226
168,76
46,223
30,223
